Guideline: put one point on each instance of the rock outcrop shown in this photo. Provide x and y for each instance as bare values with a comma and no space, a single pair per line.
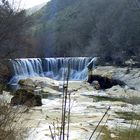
26,97
104,82
122,76
41,82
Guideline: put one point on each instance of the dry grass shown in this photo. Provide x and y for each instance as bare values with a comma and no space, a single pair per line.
121,134
10,127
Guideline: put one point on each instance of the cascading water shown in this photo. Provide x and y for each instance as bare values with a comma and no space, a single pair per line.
49,67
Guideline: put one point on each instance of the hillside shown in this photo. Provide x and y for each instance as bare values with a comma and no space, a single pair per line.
106,28
34,9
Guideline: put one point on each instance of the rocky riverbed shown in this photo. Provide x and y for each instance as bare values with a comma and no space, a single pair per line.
88,105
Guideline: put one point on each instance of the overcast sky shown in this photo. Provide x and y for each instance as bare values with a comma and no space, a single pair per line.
28,3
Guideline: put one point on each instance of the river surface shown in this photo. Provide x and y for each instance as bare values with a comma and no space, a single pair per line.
86,112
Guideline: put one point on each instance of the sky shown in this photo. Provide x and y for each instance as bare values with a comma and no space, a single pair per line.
28,3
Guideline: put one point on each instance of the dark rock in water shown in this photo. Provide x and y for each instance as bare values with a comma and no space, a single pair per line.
104,82
26,97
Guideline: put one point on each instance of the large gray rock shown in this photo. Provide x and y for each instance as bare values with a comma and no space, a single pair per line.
27,82
39,82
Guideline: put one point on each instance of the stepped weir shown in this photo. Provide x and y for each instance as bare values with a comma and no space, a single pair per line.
49,67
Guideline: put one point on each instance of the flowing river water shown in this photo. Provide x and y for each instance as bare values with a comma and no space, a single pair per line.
87,104
86,112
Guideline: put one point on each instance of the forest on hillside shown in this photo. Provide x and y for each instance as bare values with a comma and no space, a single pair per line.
106,28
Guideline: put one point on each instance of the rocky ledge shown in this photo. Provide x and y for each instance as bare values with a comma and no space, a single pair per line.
127,77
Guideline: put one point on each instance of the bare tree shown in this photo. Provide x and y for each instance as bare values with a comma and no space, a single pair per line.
13,34
13,24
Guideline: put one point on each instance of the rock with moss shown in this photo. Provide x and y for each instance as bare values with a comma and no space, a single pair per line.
26,82
26,97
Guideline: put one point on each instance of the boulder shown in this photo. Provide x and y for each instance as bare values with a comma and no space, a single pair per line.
26,97
26,82
39,82
96,85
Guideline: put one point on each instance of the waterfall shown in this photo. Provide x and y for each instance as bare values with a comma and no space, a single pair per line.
27,67
49,67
